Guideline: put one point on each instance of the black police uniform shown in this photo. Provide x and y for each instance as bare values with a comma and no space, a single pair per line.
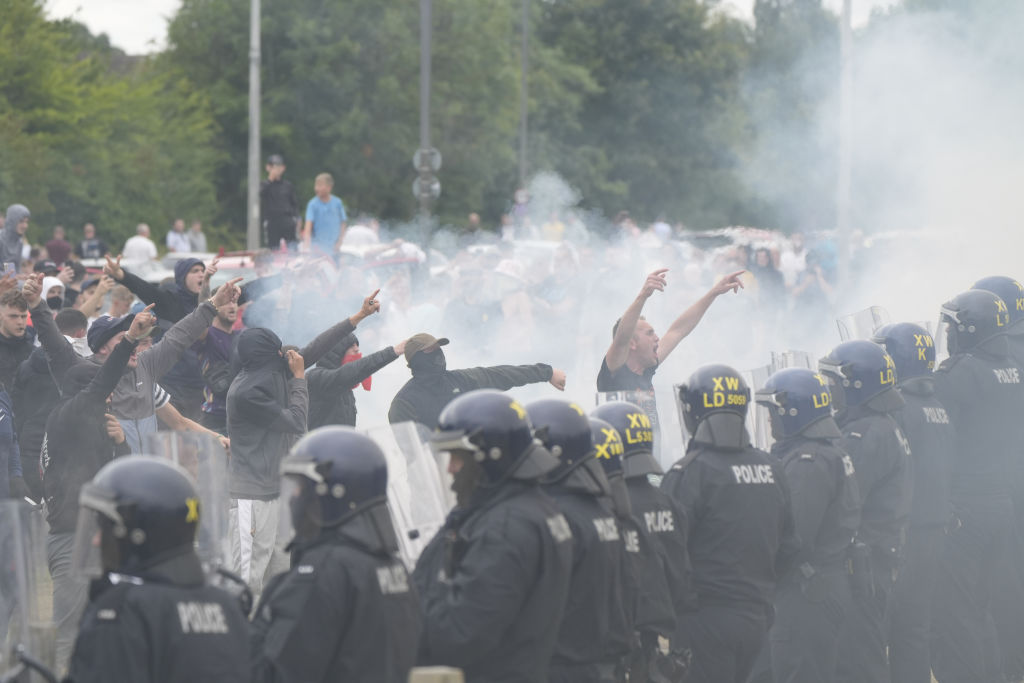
597,628
165,625
926,424
983,393
346,611
493,584
740,539
881,459
814,597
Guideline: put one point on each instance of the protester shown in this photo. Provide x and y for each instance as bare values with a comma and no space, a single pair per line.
177,240
325,217
279,210
90,247
17,339
332,382
196,238
215,354
58,248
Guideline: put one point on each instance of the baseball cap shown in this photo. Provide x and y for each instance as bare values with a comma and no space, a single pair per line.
105,327
420,342
46,266
275,160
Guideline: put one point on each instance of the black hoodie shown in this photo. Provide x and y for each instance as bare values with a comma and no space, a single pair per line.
267,410
34,395
13,352
331,399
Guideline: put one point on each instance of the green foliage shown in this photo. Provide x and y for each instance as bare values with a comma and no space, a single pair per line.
88,136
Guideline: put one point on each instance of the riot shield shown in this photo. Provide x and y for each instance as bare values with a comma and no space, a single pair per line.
419,492
758,423
862,324
203,457
27,632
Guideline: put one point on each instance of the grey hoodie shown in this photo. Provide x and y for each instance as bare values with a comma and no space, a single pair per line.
10,240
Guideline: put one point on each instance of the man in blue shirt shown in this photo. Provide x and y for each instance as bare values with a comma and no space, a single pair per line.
325,217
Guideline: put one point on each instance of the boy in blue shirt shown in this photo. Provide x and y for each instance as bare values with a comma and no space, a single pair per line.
325,217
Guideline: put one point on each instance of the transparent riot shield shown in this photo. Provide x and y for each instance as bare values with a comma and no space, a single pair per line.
203,457
862,324
419,492
758,423
27,632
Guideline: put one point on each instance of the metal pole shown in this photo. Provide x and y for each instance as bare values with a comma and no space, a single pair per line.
252,225
425,31
845,141
524,93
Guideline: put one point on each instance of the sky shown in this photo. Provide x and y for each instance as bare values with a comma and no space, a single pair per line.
140,26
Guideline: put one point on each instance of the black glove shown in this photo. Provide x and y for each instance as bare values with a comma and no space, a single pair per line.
19,489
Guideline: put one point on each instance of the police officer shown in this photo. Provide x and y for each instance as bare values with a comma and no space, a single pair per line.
493,581
863,382
925,423
813,596
346,609
152,615
597,629
1008,610
660,516
740,534
654,619
981,388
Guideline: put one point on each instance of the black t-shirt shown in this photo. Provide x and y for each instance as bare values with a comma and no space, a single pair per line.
624,379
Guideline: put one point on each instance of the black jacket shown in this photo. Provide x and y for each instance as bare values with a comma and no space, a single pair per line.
35,395
881,460
932,436
13,352
493,584
665,523
346,611
331,399
740,527
424,396
826,502
167,626
647,589
76,444
597,627
267,410
983,392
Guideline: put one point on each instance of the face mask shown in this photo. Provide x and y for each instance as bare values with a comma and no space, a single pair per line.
54,302
428,363
80,345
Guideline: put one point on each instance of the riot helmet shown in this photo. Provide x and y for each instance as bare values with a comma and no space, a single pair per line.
912,349
971,319
608,453
861,374
564,430
799,402
714,401
492,435
1011,292
336,474
637,435
143,510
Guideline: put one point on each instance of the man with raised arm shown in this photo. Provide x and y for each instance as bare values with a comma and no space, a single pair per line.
636,350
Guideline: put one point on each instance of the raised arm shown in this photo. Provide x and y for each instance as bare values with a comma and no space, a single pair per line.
167,305
616,355
328,339
61,354
103,384
351,374
91,306
685,323
504,377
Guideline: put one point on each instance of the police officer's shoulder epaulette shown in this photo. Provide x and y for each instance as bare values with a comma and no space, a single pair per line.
949,363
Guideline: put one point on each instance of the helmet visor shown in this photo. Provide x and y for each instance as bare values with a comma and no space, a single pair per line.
86,553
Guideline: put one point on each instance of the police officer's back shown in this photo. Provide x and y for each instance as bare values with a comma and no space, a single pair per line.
815,593
659,514
346,610
981,388
863,382
926,424
597,628
739,522
493,581
152,616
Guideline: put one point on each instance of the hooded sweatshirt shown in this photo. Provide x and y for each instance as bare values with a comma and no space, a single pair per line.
35,395
331,399
10,240
16,350
267,411
48,284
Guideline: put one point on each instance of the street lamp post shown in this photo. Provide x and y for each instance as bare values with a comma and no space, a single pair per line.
845,141
252,224
427,160
524,93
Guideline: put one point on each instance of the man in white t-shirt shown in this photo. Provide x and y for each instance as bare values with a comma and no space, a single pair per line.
139,248
177,238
